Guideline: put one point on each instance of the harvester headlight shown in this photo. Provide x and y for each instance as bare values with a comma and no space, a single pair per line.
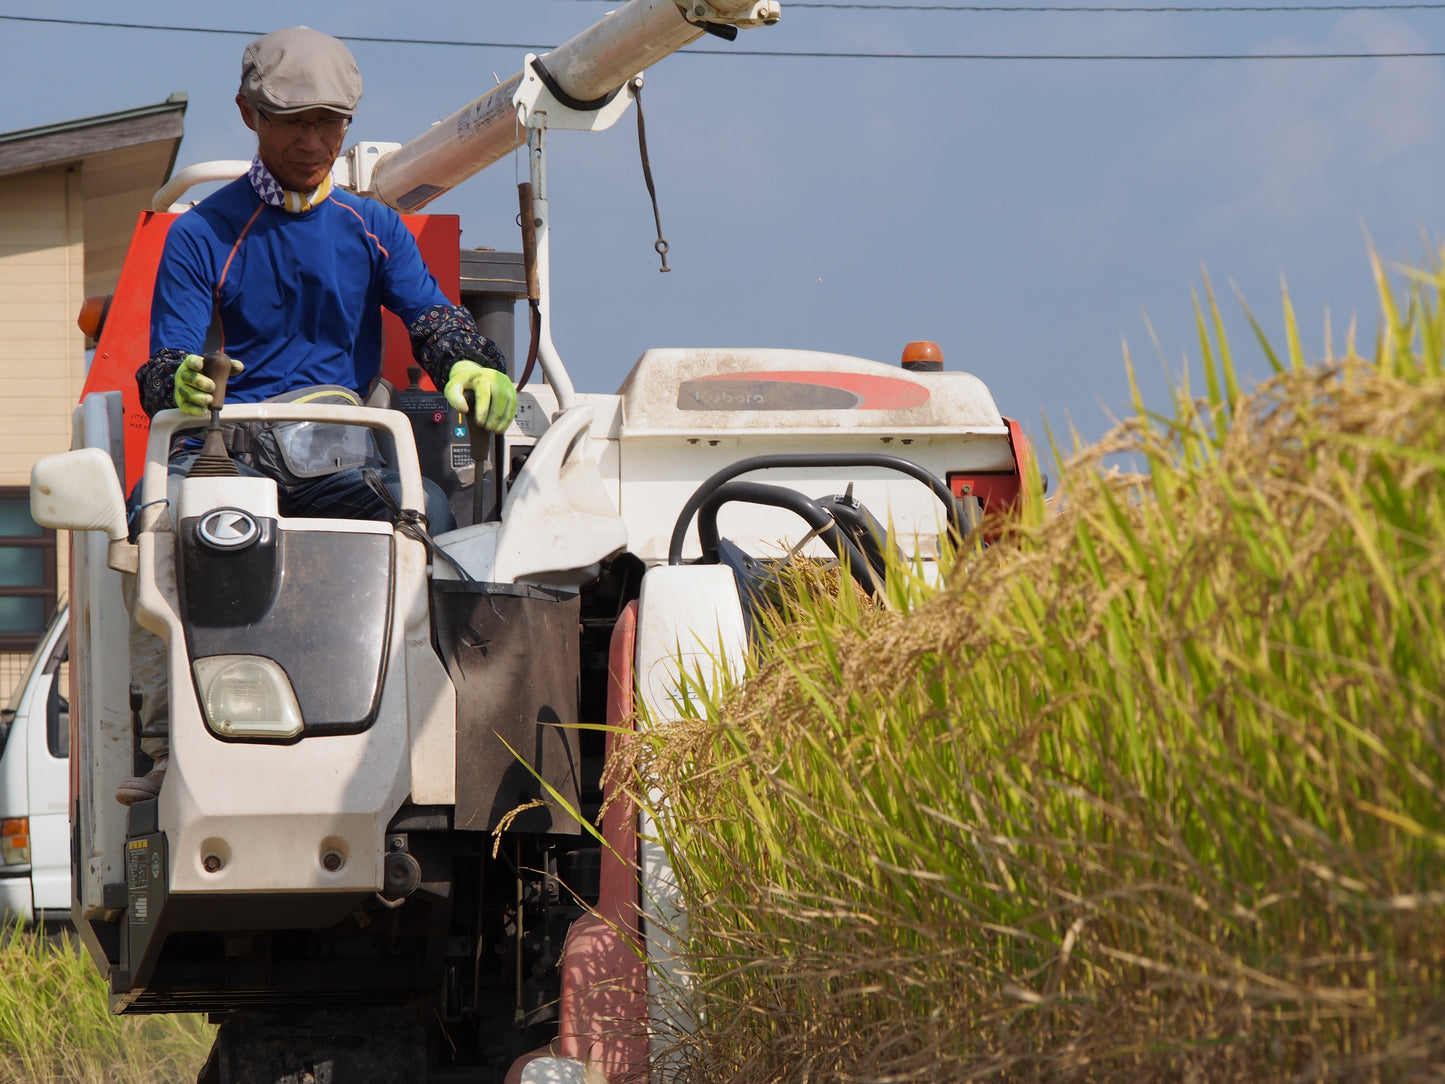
247,696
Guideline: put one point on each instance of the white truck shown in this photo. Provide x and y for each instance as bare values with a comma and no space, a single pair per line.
35,785
372,857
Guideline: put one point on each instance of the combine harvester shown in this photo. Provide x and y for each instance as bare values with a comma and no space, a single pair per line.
364,861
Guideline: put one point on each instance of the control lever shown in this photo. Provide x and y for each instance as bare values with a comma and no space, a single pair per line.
478,437
214,461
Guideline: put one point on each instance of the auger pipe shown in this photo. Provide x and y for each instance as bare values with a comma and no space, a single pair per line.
588,67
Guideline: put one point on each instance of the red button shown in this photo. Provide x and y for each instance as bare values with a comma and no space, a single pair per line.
438,417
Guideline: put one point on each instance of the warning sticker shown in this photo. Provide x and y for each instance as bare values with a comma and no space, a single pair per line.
138,869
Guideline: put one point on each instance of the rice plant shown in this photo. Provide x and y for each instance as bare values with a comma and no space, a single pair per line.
1150,789
54,1026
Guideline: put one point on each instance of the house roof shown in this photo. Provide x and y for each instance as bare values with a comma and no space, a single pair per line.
54,144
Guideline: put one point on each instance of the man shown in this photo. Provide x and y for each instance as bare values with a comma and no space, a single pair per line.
293,273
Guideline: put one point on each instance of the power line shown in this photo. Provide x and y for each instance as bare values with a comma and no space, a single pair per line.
794,54
1065,56
257,33
1075,10
1078,9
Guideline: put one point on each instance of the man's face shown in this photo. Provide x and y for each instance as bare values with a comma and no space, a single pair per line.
298,148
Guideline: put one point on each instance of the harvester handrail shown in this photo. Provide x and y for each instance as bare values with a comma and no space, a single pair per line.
805,507
394,423
167,198
810,459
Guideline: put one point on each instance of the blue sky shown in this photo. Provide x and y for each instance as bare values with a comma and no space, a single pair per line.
1025,215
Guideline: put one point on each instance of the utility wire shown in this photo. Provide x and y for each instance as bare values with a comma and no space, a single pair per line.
1079,9
1076,10
1064,56
796,54
257,33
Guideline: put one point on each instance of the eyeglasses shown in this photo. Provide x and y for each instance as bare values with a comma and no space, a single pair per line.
293,127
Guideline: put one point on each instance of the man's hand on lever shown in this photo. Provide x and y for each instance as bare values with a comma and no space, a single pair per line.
193,388
496,397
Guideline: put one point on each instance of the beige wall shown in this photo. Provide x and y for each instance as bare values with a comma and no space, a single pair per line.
42,352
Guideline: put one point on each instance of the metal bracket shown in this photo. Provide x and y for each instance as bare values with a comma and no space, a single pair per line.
748,13
354,169
538,107
122,556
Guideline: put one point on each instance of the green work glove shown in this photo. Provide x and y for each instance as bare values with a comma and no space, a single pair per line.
496,397
194,388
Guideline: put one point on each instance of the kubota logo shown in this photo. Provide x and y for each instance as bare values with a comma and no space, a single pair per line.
228,529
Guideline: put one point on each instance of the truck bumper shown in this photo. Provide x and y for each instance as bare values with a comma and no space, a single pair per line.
15,899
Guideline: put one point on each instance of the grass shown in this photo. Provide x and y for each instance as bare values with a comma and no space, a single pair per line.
1151,789
54,1026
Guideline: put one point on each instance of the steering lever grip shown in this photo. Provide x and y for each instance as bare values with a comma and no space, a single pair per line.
217,367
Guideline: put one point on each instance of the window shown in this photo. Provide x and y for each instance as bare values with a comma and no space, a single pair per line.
27,572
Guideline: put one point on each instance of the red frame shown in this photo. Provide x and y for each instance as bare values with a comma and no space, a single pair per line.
602,1017
999,490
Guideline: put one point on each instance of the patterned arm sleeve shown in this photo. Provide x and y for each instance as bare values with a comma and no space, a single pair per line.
156,380
446,334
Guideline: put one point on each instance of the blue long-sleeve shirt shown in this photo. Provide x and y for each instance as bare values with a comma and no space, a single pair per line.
297,297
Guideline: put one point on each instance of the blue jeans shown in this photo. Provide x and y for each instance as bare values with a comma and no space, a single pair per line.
345,495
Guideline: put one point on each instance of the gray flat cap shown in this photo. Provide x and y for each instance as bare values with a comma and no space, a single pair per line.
298,68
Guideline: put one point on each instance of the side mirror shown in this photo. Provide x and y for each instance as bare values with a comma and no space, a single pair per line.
78,491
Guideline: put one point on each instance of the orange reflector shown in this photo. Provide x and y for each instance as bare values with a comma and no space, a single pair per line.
93,311
15,826
19,842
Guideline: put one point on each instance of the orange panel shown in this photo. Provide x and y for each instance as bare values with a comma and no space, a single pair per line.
125,340
440,239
